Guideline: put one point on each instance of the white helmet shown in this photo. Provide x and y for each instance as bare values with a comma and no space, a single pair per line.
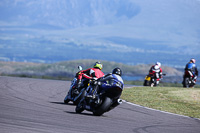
158,63
156,68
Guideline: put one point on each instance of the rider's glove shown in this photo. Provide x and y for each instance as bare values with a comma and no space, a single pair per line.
94,78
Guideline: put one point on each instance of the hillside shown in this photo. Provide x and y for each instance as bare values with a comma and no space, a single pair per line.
67,69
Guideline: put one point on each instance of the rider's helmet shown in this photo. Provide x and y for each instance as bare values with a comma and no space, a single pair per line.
98,65
158,63
193,60
156,67
117,71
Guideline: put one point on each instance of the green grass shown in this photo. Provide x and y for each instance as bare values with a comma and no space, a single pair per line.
178,100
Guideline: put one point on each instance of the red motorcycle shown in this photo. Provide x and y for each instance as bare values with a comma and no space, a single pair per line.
188,79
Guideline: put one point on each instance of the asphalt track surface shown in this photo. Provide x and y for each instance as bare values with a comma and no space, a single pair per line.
36,106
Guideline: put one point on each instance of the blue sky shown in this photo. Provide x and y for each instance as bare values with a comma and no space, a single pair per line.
158,28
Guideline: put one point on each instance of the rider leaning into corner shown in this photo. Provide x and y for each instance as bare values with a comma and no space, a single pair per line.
192,68
156,71
110,82
90,73
114,81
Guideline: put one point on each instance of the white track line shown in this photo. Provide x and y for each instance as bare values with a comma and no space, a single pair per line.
158,110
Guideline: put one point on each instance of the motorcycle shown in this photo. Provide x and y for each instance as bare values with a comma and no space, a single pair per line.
151,80
73,91
188,80
101,101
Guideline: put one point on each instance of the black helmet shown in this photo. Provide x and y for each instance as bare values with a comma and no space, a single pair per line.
117,71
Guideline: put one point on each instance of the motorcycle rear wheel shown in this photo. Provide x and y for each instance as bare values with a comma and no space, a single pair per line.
186,83
103,107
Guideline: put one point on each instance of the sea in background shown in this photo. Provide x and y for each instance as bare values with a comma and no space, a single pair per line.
129,78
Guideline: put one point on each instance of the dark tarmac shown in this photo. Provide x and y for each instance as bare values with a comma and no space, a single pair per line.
36,106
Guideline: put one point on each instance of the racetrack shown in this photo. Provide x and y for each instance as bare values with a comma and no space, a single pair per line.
36,106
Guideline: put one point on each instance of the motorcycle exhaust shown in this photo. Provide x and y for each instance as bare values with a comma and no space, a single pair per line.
119,101
115,104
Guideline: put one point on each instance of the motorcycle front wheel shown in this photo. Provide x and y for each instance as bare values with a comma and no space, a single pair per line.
146,83
66,100
79,97
79,107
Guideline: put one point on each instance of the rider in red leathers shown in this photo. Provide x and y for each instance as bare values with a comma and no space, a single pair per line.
156,72
90,73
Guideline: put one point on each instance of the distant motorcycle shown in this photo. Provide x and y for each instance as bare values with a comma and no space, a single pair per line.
73,92
188,80
101,102
151,80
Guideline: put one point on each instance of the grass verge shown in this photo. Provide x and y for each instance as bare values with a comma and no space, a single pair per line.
178,100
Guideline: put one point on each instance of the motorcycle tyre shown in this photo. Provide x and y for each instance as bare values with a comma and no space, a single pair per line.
78,98
146,83
79,108
103,107
66,100
186,82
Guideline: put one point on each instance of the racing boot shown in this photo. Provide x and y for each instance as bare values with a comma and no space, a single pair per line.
78,86
194,81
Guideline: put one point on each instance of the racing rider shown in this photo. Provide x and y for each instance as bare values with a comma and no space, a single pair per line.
156,72
90,73
114,81
110,82
191,68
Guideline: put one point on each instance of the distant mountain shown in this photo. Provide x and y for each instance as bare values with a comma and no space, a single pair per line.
131,31
65,14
